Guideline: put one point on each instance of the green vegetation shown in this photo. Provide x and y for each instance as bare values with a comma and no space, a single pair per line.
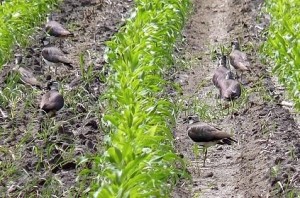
282,46
139,160
18,18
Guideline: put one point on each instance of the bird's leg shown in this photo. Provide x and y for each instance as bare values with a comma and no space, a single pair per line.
60,42
241,78
232,108
55,71
198,168
205,154
228,112
236,73
220,98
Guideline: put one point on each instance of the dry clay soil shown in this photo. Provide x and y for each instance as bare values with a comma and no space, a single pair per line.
242,170
264,162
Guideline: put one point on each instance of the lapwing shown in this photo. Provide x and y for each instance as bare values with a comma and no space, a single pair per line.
206,135
54,56
52,101
230,89
56,30
27,76
238,59
222,72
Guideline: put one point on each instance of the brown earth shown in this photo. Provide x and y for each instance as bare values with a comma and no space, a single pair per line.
38,154
264,163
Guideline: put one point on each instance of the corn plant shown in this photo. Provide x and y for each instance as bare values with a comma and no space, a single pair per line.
18,19
282,46
139,160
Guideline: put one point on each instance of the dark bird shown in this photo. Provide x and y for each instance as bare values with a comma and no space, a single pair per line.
56,30
238,59
230,89
222,72
54,56
27,77
52,101
206,135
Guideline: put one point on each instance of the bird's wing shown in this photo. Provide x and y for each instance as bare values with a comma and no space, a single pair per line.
226,141
25,73
56,29
55,55
45,100
239,60
48,106
202,133
243,55
52,101
64,59
221,135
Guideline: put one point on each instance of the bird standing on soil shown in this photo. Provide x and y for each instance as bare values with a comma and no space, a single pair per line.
54,56
230,89
238,59
52,101
206,135
27,77
222,72
55,29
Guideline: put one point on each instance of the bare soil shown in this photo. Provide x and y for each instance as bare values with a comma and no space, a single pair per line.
264,163
38,154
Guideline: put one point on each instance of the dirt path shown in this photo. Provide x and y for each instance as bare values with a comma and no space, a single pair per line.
264,162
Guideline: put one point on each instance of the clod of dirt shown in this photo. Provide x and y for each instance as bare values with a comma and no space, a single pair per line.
92,123
210,174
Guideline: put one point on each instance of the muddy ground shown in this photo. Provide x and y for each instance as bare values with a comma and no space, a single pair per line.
40,163
264,163
38,154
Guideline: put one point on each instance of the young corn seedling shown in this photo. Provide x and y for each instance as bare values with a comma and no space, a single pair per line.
282,46
139,149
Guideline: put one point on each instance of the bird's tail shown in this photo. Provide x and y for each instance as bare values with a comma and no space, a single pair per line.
71,34
69,65
227,141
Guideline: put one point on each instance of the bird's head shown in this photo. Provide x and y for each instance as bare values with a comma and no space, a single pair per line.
222,60
53,85
235,44
191,119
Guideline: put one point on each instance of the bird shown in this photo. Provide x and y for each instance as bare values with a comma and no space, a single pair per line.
52,101
230,89
53,56
56,30
221,72
238,59
27,77
206,135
